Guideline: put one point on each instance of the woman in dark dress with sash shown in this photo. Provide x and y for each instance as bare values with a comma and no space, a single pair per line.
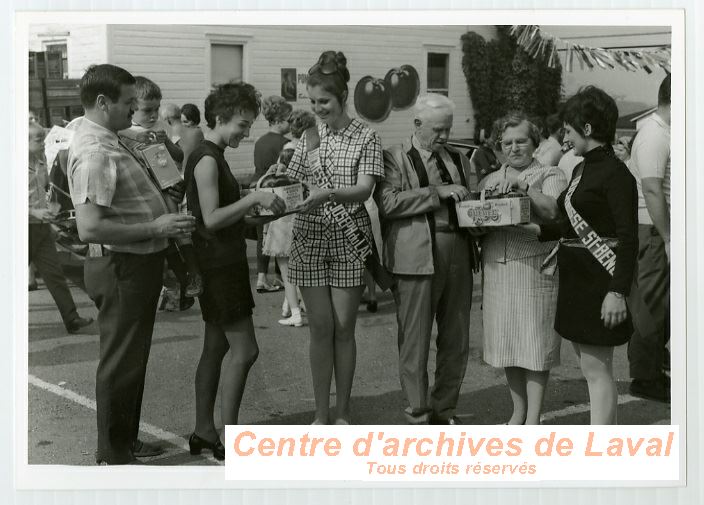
213,196
598,248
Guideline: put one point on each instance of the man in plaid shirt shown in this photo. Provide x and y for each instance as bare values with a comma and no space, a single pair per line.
122,214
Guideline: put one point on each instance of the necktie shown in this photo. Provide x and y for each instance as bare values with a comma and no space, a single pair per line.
446,179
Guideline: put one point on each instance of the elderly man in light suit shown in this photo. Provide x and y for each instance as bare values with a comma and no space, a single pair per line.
430,257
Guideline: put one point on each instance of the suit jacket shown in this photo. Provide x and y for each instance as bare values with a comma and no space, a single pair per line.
406,205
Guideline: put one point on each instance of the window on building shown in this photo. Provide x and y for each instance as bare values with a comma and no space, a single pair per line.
226,63
57,66
438,73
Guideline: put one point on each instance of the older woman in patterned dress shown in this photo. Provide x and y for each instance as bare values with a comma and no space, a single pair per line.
520,301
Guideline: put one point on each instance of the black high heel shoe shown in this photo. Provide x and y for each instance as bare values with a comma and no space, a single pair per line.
197,444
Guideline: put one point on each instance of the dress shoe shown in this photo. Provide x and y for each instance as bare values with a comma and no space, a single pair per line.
145,449
417,416
77,324
449,420
197,444
657,389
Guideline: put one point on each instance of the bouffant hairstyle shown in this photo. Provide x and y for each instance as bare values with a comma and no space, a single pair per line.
146,89
103,80
330,72
191,112
664,91
226,100
276,109
595,107
300,121
514,119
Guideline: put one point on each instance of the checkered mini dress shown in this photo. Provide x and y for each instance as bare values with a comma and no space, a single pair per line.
320,254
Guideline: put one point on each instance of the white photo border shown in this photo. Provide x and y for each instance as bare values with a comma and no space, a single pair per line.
64,477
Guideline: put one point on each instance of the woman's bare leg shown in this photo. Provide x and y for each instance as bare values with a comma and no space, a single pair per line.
322,331
345,304
243,353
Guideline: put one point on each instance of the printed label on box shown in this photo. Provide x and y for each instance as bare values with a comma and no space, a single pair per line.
292,195
496,212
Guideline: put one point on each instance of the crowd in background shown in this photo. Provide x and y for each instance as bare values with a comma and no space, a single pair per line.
592,266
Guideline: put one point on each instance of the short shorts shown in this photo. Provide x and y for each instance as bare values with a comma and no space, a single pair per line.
321,255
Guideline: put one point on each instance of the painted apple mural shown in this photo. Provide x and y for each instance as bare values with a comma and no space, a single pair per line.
404,84
372,99
375,98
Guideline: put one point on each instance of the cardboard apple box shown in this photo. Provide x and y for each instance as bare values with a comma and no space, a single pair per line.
494,212
292,195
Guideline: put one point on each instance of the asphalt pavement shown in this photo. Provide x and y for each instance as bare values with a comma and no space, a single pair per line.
61,401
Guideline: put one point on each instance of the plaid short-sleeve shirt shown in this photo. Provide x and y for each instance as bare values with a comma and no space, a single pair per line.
344,154
102,171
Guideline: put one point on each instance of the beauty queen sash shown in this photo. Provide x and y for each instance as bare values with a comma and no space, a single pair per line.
601,249
365,251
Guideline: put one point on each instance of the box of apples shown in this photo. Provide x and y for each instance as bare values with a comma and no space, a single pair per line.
486,209
288,189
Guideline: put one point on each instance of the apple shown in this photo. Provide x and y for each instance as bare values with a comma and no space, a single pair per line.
276,181
404,84
372,99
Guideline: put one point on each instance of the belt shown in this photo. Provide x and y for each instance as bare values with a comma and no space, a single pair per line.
98,251
575,242
550,263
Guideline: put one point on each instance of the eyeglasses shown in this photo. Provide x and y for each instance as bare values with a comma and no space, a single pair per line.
326,64
506,144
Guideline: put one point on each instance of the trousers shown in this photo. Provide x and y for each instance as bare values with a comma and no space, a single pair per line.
650,307
42,251
446,297
125,288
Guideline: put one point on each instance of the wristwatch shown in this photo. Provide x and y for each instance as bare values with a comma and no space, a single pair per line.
331,198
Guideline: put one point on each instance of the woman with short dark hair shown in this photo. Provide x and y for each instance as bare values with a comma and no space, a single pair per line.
599,247
213,196
190,115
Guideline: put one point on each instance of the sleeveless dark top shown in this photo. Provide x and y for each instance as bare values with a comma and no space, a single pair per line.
226,245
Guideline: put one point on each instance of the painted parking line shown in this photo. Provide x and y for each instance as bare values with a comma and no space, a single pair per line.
155,431
182,444
581,408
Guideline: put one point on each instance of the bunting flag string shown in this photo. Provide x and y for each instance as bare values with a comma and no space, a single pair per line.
544,45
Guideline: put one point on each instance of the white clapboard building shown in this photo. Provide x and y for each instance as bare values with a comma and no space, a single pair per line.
186,60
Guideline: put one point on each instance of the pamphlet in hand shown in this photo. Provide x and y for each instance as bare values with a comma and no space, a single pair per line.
162,165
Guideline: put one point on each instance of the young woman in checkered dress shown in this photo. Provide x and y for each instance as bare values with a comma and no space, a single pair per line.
322,263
